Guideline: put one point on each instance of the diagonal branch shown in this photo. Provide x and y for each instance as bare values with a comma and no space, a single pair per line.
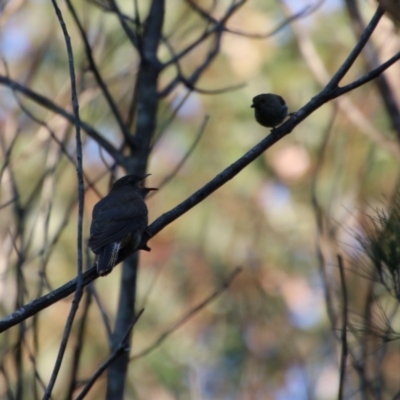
366,78
81,199
225,285
219,26
48,104
122,348
45,301
342,71
93,67
305,12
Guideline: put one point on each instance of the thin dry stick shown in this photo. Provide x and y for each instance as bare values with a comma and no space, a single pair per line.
218,26
103,312
189,315
116,353
345,104
187,155
78,347
320,221
50,105
305,12
345,352
81,191
99,79
372,59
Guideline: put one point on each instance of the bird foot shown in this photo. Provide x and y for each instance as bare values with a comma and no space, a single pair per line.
145,238
145,248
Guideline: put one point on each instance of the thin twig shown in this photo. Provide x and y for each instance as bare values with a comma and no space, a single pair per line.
122,348
320,221
305,12
81,191
50,105
40,122
372,60
99,79
218,27
7,203
195,76
366,78
344,103
344,68
186,156
78,347
103,313
225,285
345,352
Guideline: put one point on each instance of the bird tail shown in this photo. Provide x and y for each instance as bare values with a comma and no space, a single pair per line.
107,258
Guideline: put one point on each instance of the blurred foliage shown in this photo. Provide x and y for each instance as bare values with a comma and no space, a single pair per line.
268,336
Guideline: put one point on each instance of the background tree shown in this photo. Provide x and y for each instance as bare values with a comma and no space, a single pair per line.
166,88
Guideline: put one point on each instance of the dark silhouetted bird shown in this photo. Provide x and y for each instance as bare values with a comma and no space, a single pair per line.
119,221
269,109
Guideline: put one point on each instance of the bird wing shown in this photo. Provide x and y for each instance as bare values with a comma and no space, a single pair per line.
114,218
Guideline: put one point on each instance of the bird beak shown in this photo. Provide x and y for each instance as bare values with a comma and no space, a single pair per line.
148,190
252,106
145,176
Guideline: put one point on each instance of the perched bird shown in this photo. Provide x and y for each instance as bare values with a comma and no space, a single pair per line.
119,221
269,109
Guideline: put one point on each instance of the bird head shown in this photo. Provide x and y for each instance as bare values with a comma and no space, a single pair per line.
268,100
270,109
133,181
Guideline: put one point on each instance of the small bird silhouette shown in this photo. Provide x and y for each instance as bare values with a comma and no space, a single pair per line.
118,222
269,109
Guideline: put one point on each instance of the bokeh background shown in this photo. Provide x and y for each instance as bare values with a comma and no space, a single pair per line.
283,220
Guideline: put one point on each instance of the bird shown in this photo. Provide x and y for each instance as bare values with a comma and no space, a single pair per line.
269,109
119,221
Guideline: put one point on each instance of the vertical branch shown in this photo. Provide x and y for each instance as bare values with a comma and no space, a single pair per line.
81,194
99,79
146,106
322,235
78,347
19,244
118,351
147,80
344,353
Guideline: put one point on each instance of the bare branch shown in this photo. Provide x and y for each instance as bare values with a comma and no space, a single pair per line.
81,191
78,347
45,301
218,28
371,58
334,83
305,12
119,350
345,305
102,85
48,104
186,156
225,285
